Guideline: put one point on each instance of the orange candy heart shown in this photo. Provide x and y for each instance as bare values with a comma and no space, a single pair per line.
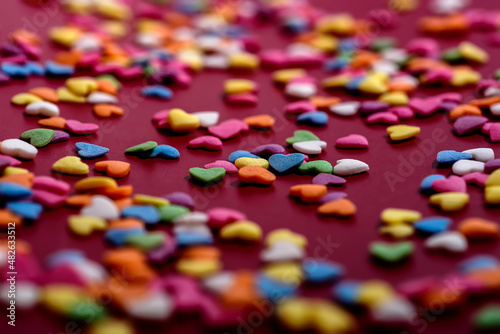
78,201
464,110
117,193
122,203
201,252
7,217
24,179
48,94
478,228
107,110
70,58
485,102
322,102
125,224
256,174
130,264
341,207
260,121
106,86
53,122
308,193
113,168
242,291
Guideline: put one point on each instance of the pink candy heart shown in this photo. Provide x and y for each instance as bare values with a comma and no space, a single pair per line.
50,184
452,184
476,178
81,128
402,112
47,198
160,115
210,143
13,161
228,129
352,141
383,117
299,107
229,167
246,99
425,107
219,217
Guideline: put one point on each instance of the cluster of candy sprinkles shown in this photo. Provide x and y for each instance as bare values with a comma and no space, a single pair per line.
169,273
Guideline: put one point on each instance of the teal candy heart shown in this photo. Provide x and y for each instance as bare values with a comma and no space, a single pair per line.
488,318
391,252
38,137
170,212
147,241
206,176
316,167
137,149
301,135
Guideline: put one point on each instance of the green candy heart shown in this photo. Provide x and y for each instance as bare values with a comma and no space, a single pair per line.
391,252
147,146
383,43
451,55
38,137
206,176
316,167
170,212
488,317
147,241
81,311
497,74
301,135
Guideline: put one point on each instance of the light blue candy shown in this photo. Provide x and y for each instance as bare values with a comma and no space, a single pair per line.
147,213
14,70
119,237
354,83
35,68
274,290
432,225
479,262
426,185
64,256
322,271
192,238
450,156
58,70
240,154
90,151
157,91
315,118
286,163
13,191
165,152
335,64
27,210
347,292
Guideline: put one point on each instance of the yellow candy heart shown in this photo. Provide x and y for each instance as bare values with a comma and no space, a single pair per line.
286,272
374,291
325,43
94,182
81,86
283,76
192,58
330,318
336,81
394,98
450,201
85,225
150,200
111,326
463,77
400,231
472,52
23,99
181,121
242,230
402,132
492,194
243,60
236,86
65,95
373,84
65,35
114,28
295,313
493,179
62,298
14,170
242,162
78,6
284,234
337,24
198,268
399,216
113,10
71,165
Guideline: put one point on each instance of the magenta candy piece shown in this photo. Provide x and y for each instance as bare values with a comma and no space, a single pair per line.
467,124
32,51
450,97
491,166
476,178
130,72
447,106
229,167
333,196
265,151
299,107
81,128
485,84
20,59
306,79
180,198
163,252
210,143
441,75
383,117
89,59
185,291
13,161
228,129
402,112
426,47
370,107
4,163
106,68
243,99
51,184
494,38
453,183
4,78
59,136
306,60
27,268
219,217
328,180
494,132
274,59
160,115
425,107
163,124
48,198
416,287
63,273
352,141
485,129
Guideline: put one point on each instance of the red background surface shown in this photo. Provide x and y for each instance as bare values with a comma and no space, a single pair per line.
270,207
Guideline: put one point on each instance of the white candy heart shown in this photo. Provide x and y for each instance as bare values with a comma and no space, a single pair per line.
348,108
87,43
310,146
209,42
100,97
156,306
301,90
395,55
18,148
207,118
192,218
102,207
463,167
92,272
219,62
483,154
495,109
393,310
447,6
350,167
492,91
27,294
197,229
451,241
148,40
219,282
42,108
386,66
282,251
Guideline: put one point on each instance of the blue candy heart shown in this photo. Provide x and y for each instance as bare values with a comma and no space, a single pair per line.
192,238
426,185
432,225
14,70
58,70
240,154
64,256
157,91
323,271
90,151
316,118
450,156
274,290
119,237
347,291
13,190
355,83
34,68
165,152
286,163
27,210
479,262
147,213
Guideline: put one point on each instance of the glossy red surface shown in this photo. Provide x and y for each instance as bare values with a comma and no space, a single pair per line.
270,206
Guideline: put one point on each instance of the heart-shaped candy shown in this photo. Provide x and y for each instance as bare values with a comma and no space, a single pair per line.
402,132
308,193
453,183
256,174
165,152
38,137
80,128
341,207
42,108
207,118
90,151
310,147
210,143
53,122
70,165
107,110
17,148
451,241
391,252
450,201
113,168
286,163
316,167
352,141
85,225
228,129
328,179
102,207
181,121
207,176
301,136
229,167
145,147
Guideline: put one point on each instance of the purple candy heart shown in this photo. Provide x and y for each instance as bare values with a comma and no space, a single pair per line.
59,136
491,166
332,197
265,151
468,124
328,179
4,162
370,107
163,252
180,198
